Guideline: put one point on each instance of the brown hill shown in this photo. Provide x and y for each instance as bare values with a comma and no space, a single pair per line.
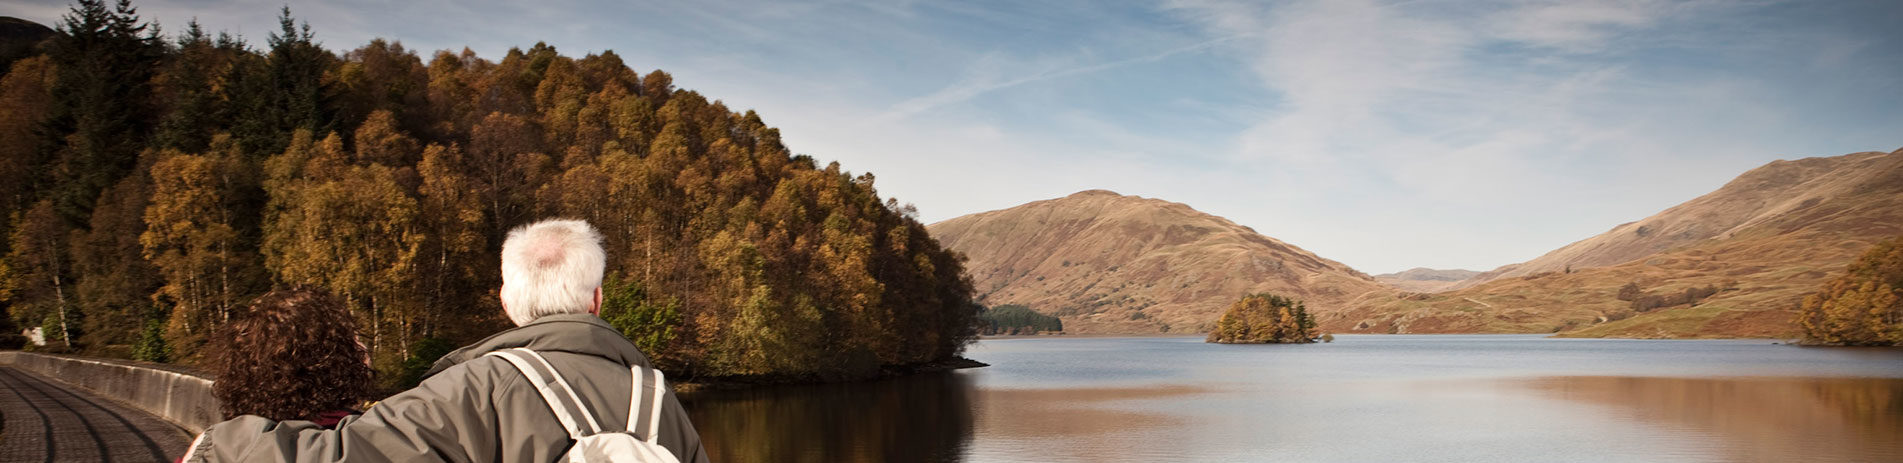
1765,240
1761,194
1424,280
1108,263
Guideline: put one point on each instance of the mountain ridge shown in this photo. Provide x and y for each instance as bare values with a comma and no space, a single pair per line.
1095,259
1425,280
1755,196
1769,237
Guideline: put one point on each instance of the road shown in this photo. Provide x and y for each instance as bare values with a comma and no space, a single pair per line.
46,420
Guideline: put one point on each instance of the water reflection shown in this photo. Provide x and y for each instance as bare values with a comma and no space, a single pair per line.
1758,419
1102,424
1361,398
925,418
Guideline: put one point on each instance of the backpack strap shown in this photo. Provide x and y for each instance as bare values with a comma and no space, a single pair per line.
563,414
653,403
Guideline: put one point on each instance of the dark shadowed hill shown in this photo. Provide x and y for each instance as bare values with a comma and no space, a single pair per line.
20,38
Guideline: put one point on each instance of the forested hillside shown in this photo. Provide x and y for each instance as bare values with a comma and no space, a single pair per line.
152,185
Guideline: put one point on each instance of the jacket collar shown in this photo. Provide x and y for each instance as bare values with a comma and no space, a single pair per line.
572,333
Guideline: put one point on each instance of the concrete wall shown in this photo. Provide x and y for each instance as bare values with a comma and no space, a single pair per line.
180,398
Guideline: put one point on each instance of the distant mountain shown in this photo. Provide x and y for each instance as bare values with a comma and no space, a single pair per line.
1424,280
20,38
1764,240
1764,194
1109,263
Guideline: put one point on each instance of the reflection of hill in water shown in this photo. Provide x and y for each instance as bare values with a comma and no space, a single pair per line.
924,419
1763,419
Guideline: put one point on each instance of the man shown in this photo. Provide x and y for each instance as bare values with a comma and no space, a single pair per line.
477,408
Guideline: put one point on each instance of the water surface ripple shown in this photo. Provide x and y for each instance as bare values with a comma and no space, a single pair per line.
1361,398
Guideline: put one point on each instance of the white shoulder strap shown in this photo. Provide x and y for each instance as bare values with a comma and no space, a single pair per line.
654,403
547,390
654,421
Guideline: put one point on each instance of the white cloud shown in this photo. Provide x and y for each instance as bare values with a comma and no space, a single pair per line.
1577,25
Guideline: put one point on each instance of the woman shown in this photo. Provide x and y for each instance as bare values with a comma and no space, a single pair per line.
293,355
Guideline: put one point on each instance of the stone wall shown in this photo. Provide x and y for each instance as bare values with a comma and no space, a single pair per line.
181,398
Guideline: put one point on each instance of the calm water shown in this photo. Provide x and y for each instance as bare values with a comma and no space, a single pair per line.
1361,398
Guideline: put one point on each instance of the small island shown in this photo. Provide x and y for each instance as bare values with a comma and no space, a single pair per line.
1262,319
1011,319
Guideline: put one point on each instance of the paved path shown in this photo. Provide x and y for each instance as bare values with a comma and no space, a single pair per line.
45,420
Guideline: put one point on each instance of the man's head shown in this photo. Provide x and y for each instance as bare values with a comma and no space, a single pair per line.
551,267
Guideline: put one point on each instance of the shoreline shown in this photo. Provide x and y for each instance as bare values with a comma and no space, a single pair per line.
733,383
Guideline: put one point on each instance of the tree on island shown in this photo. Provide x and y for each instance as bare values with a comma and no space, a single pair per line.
1017,319
1265,318
1862,308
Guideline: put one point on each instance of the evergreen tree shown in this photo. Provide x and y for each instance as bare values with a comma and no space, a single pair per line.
285,91
191,83
105,60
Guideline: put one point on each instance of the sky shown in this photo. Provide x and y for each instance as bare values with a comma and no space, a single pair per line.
1385,135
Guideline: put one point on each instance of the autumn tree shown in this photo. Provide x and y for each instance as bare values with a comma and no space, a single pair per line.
1264,318
27,91
506,162
193,237
113,281
391,182
455,255
39,273
351,229
1864,307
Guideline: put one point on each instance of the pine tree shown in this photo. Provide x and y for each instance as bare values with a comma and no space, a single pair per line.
188,81
105,61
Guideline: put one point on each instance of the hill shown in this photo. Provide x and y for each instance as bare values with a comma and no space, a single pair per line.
20,38
1424,280
1764,240
1759,195
1108,263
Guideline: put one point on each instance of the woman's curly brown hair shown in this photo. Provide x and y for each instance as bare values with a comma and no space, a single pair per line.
293,355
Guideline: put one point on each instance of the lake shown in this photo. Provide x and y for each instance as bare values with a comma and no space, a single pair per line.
1361,398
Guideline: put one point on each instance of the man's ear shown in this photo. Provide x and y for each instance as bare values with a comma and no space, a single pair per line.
596,309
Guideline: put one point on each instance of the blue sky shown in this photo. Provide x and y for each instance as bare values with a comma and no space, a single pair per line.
1383,134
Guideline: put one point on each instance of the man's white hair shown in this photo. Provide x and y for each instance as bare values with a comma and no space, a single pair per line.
550,267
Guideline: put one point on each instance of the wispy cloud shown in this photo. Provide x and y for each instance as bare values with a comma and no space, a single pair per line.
990,74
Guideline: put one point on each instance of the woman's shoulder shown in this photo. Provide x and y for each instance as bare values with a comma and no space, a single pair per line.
330,419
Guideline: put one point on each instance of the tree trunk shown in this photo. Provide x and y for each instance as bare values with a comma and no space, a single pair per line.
59,293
